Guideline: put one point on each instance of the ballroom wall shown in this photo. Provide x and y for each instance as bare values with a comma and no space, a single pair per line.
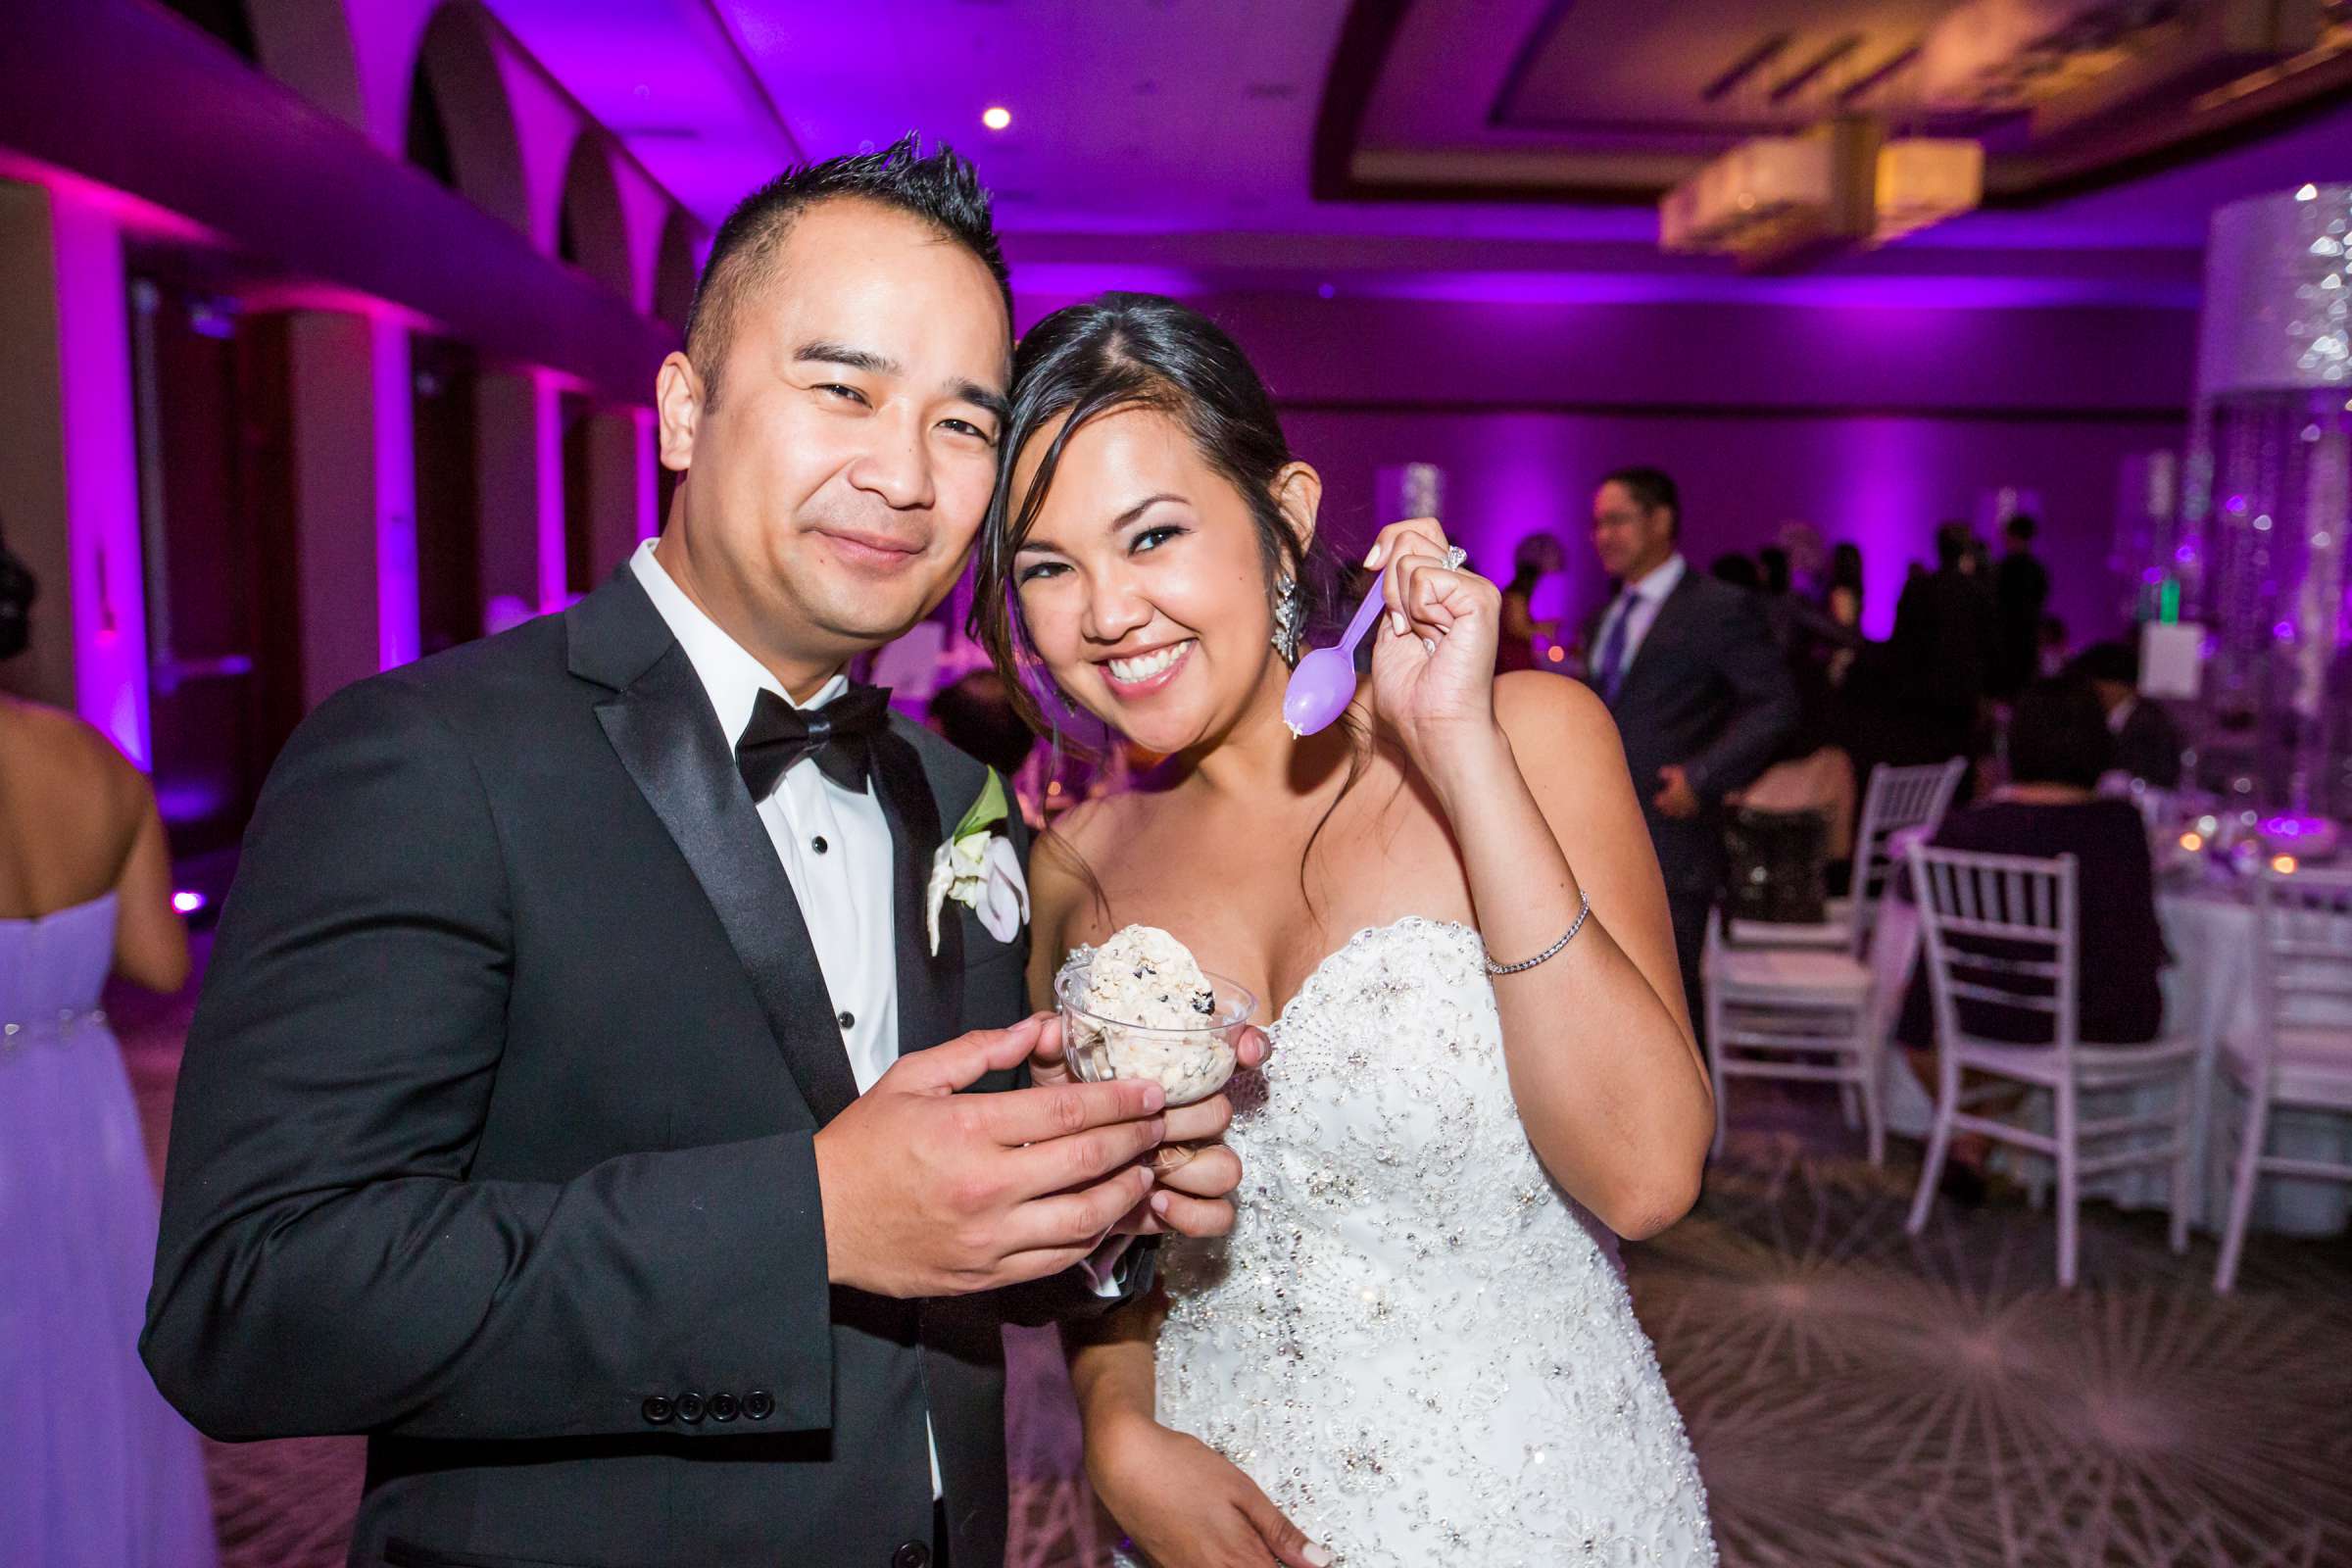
1874,422
283,195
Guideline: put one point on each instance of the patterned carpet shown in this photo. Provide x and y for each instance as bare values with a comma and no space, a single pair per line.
1858,1399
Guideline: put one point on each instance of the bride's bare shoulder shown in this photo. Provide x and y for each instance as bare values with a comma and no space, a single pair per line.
1557,725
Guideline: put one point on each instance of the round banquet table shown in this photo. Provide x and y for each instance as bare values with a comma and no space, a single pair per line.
2207,994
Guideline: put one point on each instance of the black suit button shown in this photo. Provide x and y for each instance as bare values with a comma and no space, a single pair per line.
689,1407
759,1404
818,844
723,1407
656,1410
914,1554
847,1019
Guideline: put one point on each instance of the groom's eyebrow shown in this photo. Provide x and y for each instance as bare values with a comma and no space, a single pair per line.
821,351
981,397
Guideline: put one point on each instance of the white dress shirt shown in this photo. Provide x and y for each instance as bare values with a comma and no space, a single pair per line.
1641,599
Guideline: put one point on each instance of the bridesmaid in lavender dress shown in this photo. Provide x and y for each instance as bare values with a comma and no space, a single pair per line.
100,1473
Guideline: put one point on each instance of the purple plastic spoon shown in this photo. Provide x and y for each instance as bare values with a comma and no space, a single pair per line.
1324,682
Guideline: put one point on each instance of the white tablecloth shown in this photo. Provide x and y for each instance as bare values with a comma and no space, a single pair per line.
2207,994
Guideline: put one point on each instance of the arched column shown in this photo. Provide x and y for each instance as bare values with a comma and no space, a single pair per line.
458,59
675,273
68,469
519,436
354,494
592,230
307,44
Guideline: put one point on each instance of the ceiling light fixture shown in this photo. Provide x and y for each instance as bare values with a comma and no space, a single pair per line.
1774,199
1926,180
995,116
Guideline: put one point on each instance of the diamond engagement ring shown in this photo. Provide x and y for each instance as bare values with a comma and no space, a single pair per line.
1455,555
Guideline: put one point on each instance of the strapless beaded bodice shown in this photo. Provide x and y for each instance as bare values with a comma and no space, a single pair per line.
1413,1340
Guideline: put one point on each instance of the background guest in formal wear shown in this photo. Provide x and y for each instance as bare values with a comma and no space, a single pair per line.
977,717
1537,557
1700,693
98,1470
1931,704
2059,746
2147,743
2020,591
1841,588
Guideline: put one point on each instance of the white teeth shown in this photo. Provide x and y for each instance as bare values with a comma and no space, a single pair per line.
1146,665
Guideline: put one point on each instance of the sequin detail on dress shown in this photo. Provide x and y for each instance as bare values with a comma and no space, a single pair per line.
1411,1339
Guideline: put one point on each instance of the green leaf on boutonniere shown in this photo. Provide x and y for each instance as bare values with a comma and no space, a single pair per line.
986,813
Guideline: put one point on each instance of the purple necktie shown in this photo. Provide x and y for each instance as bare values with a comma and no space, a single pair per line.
1612,647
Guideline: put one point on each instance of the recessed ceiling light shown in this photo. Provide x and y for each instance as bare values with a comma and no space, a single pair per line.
995,116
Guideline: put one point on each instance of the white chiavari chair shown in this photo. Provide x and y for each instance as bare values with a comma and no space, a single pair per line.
1896,798
2001,932
2298,1053
1783,1003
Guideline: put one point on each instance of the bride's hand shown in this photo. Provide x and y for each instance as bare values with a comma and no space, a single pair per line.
1433,680
1188,1506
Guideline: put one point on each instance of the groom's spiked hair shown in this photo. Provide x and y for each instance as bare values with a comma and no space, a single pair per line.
941,188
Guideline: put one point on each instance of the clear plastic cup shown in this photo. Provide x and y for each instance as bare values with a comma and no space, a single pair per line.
1189,1063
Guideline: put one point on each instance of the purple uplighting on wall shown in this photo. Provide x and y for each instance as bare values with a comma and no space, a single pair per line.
108,594
396,589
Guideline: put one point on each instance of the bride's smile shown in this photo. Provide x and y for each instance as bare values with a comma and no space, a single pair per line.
1134,675
1142,581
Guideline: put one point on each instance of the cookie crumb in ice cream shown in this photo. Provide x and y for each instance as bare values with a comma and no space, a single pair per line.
1143,1008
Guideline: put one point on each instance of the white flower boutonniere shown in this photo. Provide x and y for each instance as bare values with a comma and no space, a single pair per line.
978,869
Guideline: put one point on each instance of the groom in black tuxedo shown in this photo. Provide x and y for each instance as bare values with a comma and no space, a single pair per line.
561,1111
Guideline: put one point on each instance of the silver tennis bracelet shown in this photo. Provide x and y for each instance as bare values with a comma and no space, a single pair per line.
1583,908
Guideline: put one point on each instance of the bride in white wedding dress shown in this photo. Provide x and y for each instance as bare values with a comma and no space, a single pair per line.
1414,1346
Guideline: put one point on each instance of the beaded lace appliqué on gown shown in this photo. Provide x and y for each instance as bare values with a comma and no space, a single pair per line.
1411,1340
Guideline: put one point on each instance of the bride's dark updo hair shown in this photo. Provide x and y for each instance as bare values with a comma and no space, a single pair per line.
1140,351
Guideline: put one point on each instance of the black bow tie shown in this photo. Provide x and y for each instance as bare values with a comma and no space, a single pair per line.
839,735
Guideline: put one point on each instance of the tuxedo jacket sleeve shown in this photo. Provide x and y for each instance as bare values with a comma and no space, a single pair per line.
326,1263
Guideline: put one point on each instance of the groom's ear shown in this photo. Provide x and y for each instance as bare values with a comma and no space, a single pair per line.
678,401
1298,493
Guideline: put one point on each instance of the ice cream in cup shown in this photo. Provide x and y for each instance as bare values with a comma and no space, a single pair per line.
1140,1006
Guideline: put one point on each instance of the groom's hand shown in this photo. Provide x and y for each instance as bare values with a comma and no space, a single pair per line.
927,1192
1196,1174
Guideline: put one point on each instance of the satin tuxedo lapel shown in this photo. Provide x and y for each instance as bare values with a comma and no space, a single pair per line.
930,989
661,725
